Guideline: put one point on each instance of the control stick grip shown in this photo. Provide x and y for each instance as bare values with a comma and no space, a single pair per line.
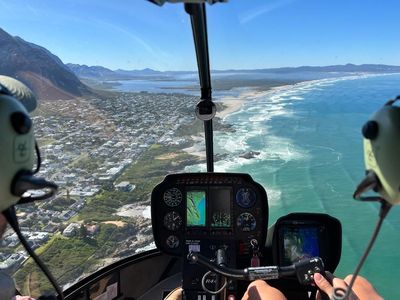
304,270
264,273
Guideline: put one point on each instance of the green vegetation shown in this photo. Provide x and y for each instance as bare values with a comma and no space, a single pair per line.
59,204
84,161
148,171
153,166
193,129
64,257
100,207
68,258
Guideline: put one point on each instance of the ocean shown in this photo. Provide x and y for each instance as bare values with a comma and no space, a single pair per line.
311,159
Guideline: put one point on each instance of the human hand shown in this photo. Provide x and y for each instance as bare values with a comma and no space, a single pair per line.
362,288
260,290
175,294
327,286
22,298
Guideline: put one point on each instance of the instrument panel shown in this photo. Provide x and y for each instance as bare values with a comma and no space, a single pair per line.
190,208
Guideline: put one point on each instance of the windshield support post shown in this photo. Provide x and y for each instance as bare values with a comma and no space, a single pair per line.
198,20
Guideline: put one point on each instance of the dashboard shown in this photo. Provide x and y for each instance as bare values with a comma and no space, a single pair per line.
214,213
204,212
189,210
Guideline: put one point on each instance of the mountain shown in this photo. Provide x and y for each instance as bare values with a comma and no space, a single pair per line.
93,72
102,73
369,68
143,72
38,68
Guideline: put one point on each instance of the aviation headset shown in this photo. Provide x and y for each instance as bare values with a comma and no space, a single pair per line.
17,146
382,153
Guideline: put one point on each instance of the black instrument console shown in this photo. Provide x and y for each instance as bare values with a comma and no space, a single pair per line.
204,212
224,218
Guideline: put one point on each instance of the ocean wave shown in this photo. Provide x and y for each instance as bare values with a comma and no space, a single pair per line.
296,98
274,196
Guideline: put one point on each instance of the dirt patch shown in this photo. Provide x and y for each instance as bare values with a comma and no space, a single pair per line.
116,223
167,156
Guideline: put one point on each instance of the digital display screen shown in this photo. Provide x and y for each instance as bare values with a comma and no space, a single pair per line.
220,207
196,208
300,242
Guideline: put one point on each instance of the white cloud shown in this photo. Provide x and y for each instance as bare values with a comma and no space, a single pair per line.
261,10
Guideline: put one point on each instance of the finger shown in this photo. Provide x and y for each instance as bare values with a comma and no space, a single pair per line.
259,289
339,283
323,284
175,294
363,288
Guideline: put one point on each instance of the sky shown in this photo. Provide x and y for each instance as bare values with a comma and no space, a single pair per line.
243,34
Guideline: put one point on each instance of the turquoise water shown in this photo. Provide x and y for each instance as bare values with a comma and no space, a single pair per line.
311,160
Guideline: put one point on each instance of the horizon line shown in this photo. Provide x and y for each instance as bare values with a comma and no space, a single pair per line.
257,69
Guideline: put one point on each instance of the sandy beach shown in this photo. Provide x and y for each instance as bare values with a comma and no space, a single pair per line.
234,103
198,149
231,105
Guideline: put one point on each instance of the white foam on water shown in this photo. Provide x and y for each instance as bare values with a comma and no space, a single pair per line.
280,148
150,246
274,196
147,212
251,124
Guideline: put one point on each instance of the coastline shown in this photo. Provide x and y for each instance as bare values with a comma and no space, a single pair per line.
230,104
234,103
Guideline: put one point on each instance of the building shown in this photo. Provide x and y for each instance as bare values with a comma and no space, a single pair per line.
125,186
71,229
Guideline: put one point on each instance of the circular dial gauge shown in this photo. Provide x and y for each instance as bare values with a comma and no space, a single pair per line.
172,221
173,197
172,241
245,197
246,222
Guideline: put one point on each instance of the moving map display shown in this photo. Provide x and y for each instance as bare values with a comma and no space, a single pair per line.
196,208
299,243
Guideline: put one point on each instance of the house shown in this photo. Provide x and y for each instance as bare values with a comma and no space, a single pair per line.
71,229
125,186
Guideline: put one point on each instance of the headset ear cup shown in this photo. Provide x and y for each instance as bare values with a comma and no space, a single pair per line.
17,146
381,151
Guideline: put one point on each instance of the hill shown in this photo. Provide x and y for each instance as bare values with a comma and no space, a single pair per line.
102,73
38,68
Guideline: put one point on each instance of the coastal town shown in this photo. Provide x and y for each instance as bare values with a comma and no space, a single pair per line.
86,145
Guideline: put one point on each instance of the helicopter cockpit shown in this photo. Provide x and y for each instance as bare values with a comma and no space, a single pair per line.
212,230
223,218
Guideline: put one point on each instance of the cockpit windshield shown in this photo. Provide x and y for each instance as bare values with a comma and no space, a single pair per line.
293,82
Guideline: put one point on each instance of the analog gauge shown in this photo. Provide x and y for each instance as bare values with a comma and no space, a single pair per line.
173,197
172,241
246,222
172,221
245,197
